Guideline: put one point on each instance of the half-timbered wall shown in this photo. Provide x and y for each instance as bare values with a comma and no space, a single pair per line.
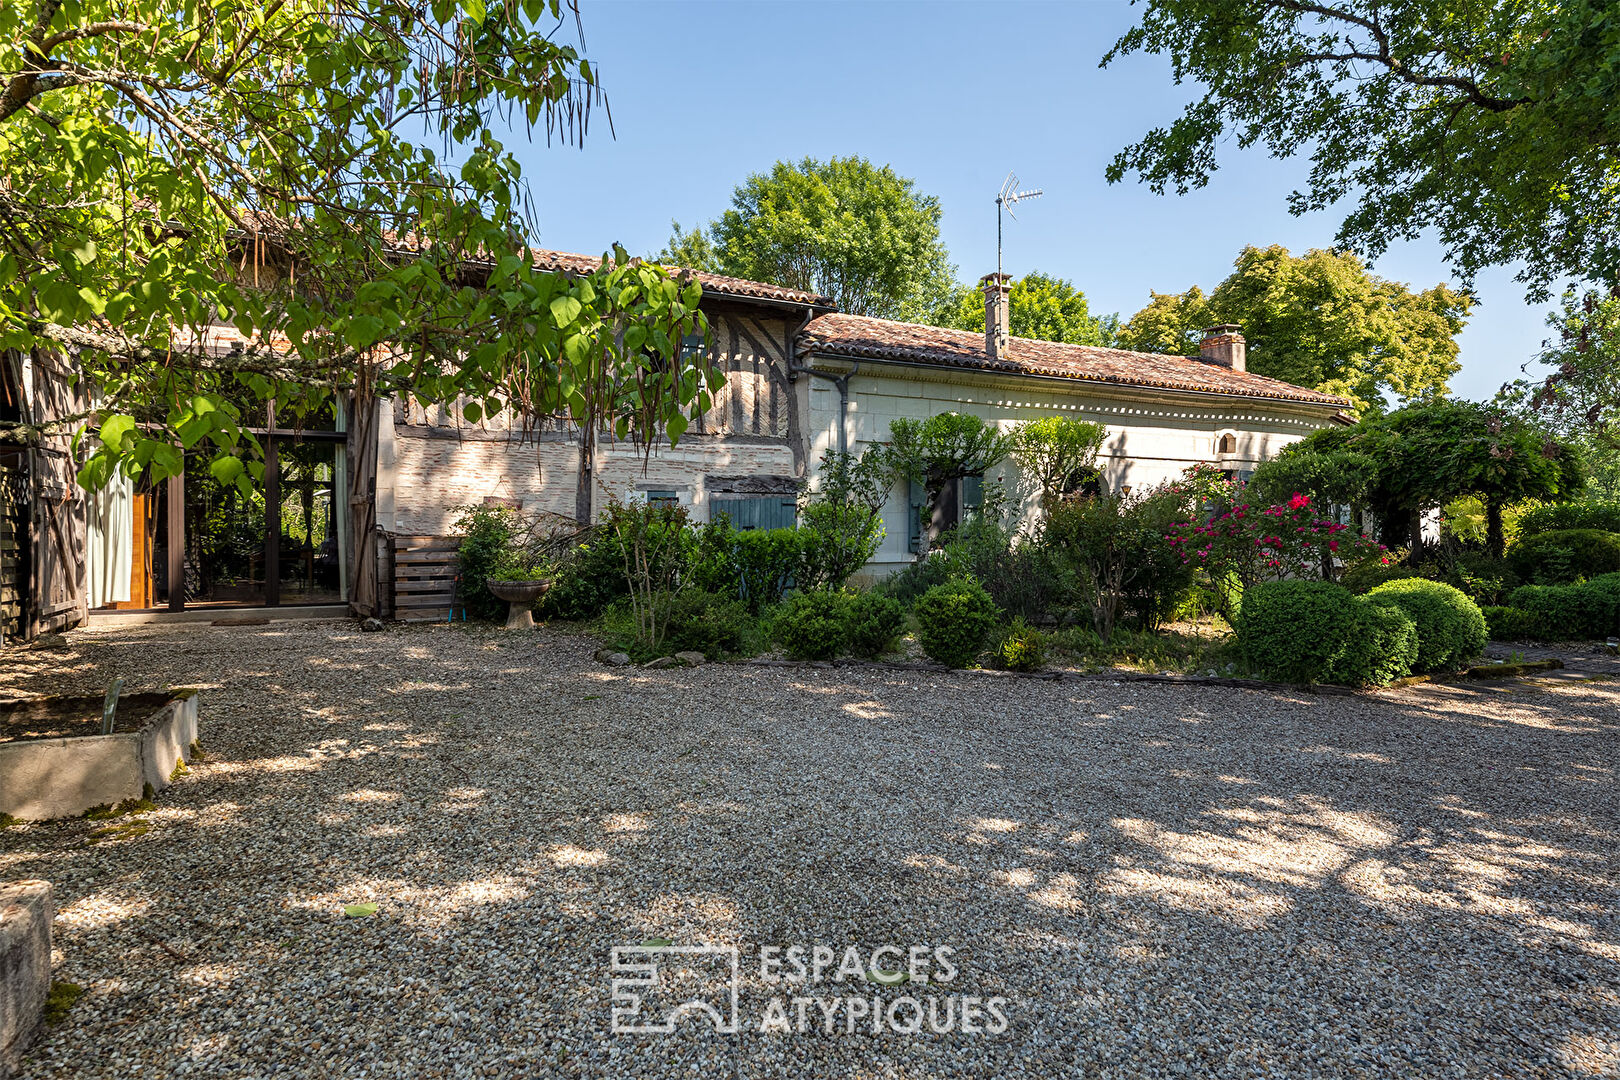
432,461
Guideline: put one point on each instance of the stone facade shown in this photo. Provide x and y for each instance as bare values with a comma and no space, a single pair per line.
1153,434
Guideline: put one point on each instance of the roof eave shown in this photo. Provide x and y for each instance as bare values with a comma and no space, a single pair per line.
1336,405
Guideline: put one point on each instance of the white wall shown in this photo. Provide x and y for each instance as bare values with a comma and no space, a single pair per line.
1153,435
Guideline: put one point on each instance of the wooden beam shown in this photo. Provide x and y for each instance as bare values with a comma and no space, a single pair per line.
177,541
272,524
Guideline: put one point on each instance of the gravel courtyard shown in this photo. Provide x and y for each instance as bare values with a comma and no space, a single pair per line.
1158,880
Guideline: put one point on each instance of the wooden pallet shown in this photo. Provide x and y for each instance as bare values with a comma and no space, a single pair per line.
425,572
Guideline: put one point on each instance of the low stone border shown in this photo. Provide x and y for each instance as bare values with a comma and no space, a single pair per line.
1480,673
52,778
26,911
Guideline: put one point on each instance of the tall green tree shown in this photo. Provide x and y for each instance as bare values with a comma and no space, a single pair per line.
1580,397
689,249
1039,306
174,165
1321,320
1491,122
857,232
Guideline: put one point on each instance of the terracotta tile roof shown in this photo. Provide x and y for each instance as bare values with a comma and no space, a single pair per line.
567,262
861,337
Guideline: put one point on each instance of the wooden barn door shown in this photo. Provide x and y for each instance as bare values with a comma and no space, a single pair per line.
56,581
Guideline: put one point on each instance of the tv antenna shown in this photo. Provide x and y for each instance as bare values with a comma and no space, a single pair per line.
1009,197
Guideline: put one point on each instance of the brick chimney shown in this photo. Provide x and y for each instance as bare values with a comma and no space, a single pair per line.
1225,346
997,321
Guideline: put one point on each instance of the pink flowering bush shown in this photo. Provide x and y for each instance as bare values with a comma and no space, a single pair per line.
1245,544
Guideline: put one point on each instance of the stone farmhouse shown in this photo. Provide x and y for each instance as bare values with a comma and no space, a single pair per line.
801,379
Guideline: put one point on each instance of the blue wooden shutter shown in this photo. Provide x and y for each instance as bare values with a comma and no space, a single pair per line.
757,512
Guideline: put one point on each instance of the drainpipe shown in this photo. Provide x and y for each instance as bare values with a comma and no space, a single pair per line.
842,382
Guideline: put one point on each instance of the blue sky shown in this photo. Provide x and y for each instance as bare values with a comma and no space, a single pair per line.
953,95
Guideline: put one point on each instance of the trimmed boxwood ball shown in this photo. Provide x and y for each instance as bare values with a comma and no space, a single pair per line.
1553,558
1451,629
812,625
953,620
1380,649
1317,631
875,623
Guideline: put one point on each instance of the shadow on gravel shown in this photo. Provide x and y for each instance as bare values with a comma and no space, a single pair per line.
1201,878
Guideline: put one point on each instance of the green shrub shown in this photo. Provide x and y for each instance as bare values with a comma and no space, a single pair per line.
1511,623
705,622
1317,631
1018,647
1571,612
768,561
1557,517
1482,577
692,620
1367,575
875,624
1450,628
1561,556
487,534
711,558
590,577
1380,649
812,625
953,620
909,583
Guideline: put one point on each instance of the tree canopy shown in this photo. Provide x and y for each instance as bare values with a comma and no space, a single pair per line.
1321,320
846,228
1580,397
1490,121
174,166
1058,454
1424,456
1039,306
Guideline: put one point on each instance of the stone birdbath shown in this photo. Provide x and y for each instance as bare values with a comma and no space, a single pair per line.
520,597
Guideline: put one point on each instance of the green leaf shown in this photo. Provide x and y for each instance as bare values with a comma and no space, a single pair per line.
657,943
474,9
226,469
565,309
114,430
359,911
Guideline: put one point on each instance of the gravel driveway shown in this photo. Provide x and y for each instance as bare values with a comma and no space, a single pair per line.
1141,880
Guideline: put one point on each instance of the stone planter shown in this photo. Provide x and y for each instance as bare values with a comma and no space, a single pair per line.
26,911
42,778
520,597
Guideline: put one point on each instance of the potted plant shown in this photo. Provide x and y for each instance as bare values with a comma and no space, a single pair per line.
519,577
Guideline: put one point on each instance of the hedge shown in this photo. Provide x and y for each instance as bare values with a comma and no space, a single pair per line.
1563,555
1317,631
953,620
1450,627
1565,612
1603,516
